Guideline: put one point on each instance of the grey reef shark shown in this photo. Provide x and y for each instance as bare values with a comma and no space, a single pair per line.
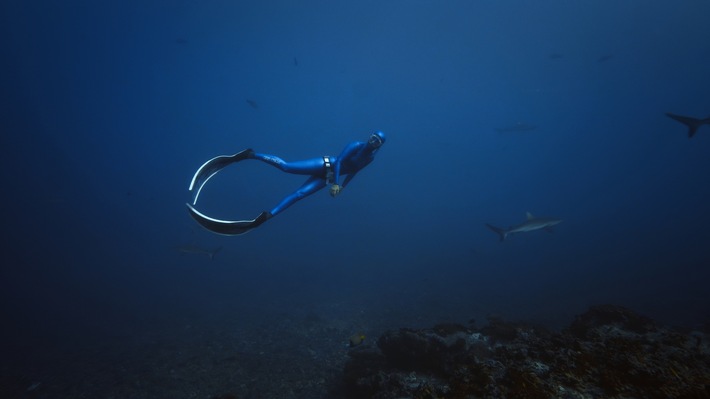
692,123
195,250
532,223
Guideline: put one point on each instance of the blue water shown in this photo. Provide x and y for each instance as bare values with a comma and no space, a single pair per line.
108,108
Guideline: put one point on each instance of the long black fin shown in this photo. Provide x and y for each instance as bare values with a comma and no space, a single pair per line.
211,167
227,227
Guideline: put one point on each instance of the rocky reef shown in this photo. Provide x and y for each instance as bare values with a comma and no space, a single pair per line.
609,351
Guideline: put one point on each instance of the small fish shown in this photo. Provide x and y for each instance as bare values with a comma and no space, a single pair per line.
195,250
252,104
295,61
605,58
33,386
356,340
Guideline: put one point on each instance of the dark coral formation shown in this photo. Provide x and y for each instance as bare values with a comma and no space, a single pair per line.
609,351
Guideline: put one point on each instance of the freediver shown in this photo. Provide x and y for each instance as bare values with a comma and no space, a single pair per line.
321,171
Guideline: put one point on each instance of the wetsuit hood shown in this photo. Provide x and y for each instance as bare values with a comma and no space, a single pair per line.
377,139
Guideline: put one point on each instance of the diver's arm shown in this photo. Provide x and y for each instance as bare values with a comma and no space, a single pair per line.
347,152
348,178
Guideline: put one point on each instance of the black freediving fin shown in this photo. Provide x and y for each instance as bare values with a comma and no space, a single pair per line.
692,123
227,227
211,167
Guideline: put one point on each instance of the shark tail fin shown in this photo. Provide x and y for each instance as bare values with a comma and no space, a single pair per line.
214,252
501,232
692,123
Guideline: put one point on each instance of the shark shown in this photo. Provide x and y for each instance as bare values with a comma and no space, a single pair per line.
692,123
532,223
195,250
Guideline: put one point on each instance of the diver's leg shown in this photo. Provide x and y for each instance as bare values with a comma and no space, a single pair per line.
312,166
313,184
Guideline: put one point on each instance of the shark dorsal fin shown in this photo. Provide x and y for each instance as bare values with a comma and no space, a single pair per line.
529,215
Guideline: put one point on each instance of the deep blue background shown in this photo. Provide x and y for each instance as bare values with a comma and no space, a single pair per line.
108,108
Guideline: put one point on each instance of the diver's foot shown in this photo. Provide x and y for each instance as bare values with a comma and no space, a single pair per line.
263,217
242,155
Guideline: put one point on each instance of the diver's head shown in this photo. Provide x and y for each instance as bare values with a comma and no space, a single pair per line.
376,139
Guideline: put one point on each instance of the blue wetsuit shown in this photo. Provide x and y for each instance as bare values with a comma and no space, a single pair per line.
324,170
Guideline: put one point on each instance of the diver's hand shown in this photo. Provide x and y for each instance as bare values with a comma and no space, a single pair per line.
335,190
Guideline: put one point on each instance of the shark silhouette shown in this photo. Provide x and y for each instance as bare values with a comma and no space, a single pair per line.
532,223
195,250
692,123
